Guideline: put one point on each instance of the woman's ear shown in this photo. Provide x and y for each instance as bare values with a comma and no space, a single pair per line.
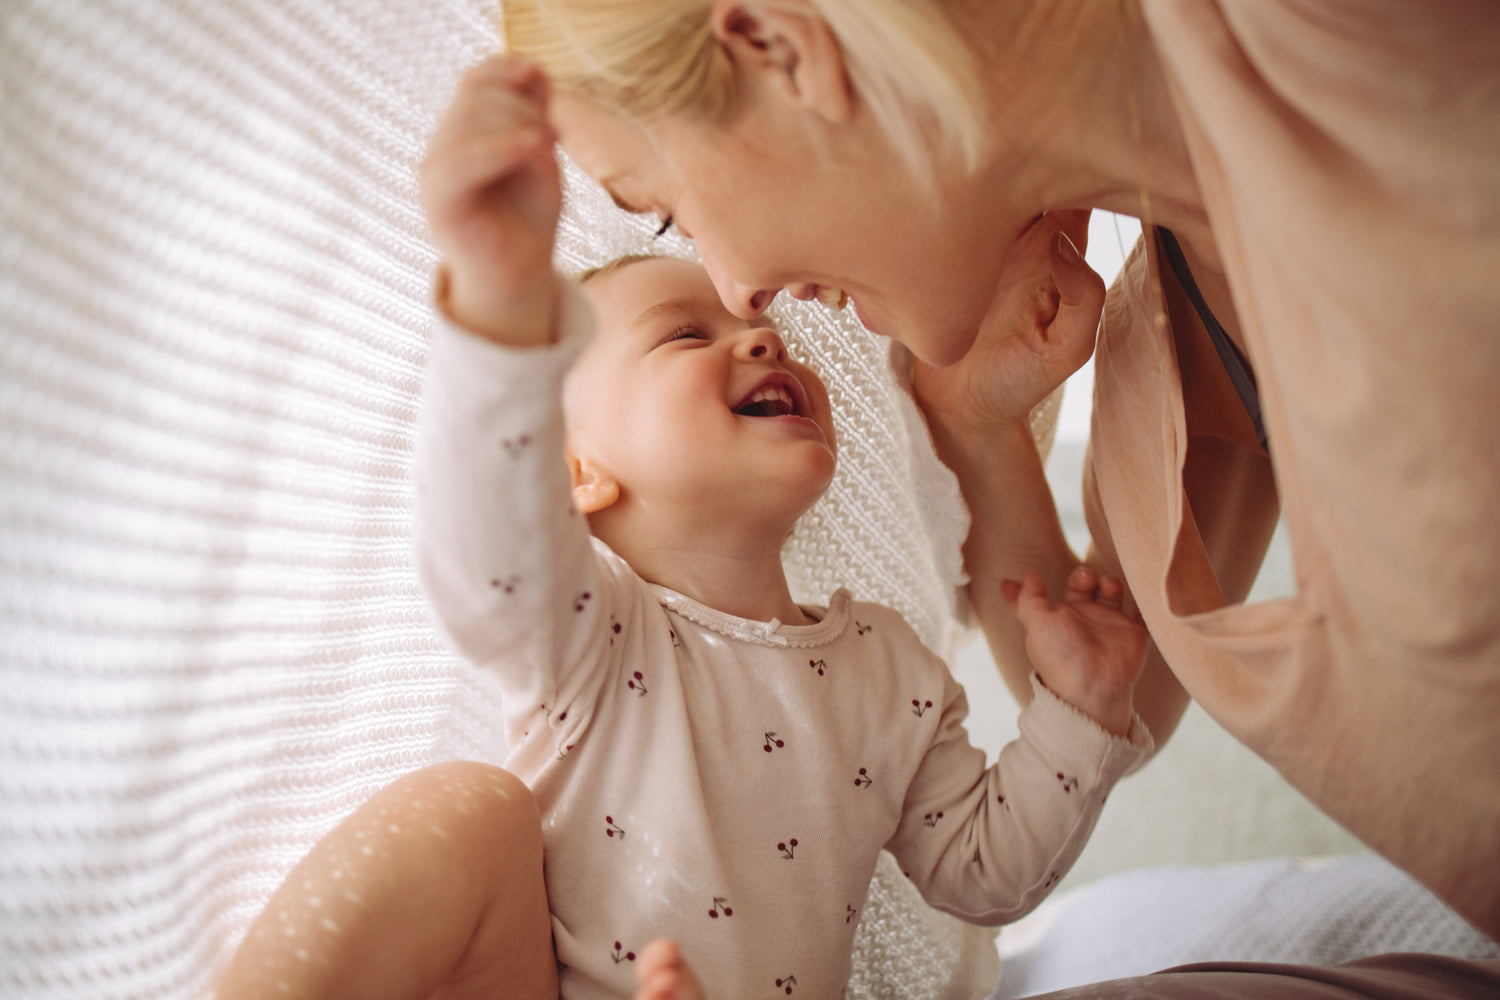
593,488
789,51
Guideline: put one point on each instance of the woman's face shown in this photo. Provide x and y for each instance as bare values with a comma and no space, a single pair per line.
783,199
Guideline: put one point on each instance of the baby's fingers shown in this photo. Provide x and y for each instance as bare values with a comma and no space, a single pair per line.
1030,599
1082,586
1111,593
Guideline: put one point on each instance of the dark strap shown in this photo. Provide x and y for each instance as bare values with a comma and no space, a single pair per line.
1234,362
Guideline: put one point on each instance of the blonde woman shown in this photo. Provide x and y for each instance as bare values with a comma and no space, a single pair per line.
1310,328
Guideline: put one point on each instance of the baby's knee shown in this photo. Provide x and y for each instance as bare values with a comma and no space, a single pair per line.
472,807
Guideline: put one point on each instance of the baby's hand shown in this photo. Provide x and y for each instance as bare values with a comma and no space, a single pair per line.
1087,650
492,194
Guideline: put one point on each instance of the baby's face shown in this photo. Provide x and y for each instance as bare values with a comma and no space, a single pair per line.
689,407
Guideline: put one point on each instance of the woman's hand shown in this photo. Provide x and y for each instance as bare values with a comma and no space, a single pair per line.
1087,649
1039,330
492,193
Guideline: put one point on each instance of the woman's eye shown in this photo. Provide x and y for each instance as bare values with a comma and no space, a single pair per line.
665,225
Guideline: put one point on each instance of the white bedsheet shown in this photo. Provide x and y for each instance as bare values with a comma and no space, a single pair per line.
1306,911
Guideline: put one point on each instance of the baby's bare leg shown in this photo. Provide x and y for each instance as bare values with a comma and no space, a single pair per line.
432,889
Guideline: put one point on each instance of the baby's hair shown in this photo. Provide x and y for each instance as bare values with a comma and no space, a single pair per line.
611,266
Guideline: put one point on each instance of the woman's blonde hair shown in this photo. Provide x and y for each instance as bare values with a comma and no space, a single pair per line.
906,60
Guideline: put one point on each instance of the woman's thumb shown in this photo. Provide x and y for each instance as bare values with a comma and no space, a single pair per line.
1080,293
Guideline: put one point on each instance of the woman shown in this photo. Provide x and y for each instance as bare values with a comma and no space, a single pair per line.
1309,328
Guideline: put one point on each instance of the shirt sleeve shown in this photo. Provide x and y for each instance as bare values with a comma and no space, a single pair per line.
507,562
989,844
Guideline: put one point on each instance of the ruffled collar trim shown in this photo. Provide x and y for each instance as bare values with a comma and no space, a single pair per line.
830,624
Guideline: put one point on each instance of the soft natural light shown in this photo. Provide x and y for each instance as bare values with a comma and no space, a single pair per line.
1110,239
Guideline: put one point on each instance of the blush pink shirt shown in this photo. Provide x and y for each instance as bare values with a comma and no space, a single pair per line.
1348,154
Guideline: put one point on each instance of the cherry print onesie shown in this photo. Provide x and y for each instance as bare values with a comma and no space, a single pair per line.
726,782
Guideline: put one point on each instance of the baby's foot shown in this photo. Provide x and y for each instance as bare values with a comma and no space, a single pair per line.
662,974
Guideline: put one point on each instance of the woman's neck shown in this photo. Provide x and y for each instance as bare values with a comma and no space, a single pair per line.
1083,117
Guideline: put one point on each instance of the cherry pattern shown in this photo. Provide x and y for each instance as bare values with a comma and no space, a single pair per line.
613,829
863,779
505,584
1001,799
721,905
849,912
516,447
919,708
582,600
931,819
621,955
818,665
862,629
637,683
676,642
1068,784
788,849
772,743
787,982
615,628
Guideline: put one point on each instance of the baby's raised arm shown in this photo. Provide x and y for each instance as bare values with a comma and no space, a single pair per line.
492,193
506,559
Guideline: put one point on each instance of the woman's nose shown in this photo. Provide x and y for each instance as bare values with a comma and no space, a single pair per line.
760,342
742,301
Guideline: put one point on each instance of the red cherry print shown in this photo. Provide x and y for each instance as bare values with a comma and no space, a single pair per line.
1068,784
772,743
788,982
818,665
849,912
864,780
721,903
612,828
862,629
581,600
628,956
919,708
788,849
931,819
637,684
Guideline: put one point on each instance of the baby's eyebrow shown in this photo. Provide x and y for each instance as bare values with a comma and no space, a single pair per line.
675,306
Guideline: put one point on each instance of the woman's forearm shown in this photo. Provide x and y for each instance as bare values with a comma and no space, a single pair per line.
1014,529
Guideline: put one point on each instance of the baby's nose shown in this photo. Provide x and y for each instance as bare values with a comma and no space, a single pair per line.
761,342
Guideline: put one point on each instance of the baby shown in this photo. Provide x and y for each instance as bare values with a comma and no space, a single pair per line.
716,767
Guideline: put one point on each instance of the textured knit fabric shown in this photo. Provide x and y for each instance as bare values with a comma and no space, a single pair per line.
726,782
1349,157
215,302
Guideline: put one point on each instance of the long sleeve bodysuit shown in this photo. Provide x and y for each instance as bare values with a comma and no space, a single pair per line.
726,782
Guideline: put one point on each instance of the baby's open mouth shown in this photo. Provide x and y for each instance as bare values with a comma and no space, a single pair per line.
772,398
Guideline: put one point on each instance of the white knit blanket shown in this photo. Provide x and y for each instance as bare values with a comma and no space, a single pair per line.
214,314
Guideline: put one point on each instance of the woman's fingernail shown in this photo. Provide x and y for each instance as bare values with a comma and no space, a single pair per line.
1066,250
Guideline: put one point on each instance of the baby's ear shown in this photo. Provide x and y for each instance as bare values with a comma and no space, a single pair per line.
593,488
